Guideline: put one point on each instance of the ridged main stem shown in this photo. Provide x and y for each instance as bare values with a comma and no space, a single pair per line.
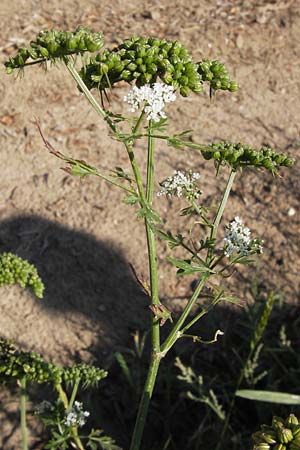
23,414
155,358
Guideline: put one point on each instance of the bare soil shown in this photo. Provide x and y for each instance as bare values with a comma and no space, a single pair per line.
82,239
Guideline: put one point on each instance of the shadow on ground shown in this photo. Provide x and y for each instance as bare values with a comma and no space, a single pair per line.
81,274
89,284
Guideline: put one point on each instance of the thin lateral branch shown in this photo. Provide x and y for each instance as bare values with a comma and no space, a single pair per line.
47,143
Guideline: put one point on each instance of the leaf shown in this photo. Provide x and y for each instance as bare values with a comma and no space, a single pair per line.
160,126
120,173
173,241
233,300
183,133
174,142
105,442
189,211
186,268
149,214
117,117
207,243
269,396
130,199
80,168
244,260
125,369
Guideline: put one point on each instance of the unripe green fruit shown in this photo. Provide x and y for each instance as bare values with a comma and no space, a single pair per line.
43,51
152,68
296,430
279,447
262,446
295,445
285,435
103,68
184,91
139,61
126,75
91,45
72,43
147,77
176,75
52,47
131,67
233,86
81,44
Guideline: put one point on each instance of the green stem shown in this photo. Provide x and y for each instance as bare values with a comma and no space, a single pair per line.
176,330
150,165
138,122
220,212
100,111
23,414
67,405
124,188
151,243
194,320
62,395
74,393
137,174
155,359
144,403
76,438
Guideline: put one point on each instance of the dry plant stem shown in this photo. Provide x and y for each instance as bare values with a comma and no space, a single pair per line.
23,414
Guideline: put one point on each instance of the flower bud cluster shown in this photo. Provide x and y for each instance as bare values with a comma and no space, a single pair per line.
237,240
281,435
76,417
56,44
154,97
238,155
217,75
18,364
181,184
144,60
14,269
87,374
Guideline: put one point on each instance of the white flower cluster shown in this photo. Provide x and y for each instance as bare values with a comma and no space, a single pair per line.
42,407
181,184
76,416
153,97
238,239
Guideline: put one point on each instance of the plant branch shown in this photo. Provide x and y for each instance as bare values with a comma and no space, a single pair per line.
155,359
99,110
220,212
23,414
176,330
144,403
67,405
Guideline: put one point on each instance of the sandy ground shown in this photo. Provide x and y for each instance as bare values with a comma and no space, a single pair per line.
78,233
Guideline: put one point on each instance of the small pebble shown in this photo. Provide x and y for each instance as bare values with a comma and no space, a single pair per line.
291,212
